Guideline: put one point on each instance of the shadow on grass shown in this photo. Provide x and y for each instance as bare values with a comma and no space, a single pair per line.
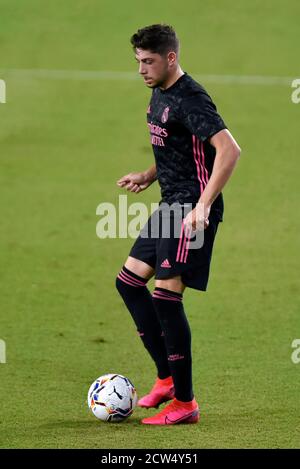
88,424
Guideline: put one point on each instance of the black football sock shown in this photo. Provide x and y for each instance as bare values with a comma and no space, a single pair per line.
169,308
138,300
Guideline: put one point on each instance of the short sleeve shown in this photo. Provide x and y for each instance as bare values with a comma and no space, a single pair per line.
199,115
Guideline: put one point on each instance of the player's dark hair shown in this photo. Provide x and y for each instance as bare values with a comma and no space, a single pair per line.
157,38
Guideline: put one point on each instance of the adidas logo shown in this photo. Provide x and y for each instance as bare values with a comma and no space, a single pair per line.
166,264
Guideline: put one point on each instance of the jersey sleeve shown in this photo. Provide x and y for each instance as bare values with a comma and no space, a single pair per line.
199,115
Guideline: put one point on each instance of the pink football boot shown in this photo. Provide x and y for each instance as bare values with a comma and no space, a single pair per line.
162,391
174,413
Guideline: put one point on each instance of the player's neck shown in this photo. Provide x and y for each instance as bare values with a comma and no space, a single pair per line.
173,78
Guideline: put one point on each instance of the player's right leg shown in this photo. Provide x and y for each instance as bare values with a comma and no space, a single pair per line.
131,284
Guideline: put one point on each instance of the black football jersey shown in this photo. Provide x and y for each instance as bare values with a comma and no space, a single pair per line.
181,119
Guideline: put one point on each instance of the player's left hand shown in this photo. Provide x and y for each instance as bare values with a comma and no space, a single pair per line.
197,219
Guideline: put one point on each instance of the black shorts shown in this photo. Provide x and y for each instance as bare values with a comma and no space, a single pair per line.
175,253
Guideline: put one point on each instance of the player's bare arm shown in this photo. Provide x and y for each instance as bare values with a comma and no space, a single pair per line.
137,182
227,154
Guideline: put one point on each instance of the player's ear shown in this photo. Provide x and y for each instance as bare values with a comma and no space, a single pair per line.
171,58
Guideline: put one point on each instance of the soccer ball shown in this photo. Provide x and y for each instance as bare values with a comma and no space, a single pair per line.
112,398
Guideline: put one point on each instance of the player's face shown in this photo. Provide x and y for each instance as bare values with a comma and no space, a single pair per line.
153,67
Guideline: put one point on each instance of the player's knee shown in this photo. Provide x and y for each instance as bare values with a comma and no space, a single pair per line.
122,284
119,284
174,284
128,281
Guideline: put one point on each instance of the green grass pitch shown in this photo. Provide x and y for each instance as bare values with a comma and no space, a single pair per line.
63,144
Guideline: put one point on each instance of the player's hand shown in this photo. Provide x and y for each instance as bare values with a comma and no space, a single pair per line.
134,182
197,219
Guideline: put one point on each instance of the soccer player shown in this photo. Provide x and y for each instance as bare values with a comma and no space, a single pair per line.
195,155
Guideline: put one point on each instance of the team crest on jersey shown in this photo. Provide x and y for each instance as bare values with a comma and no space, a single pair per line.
165,115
